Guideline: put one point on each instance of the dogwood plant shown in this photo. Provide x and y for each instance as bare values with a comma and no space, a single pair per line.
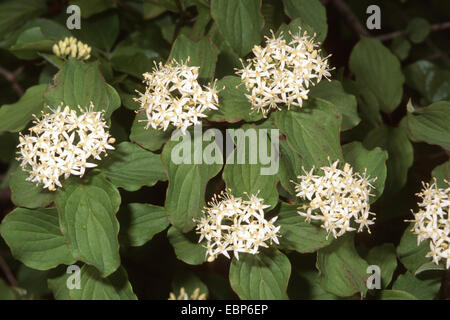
224,149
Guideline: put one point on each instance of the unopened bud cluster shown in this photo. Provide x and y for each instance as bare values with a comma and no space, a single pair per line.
432,221
233,224
173,96
281,72
72,48
184,296
338,198
60,144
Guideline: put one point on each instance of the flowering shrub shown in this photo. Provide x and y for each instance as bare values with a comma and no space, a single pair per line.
224,149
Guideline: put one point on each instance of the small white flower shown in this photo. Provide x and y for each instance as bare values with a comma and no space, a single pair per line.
432,221
281,73
70,47
233,224
173,96
60,143
336,198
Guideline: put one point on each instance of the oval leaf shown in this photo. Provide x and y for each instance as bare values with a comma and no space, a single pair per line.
313,131
262,276
139,222
87,209
342,270
240,23
298,235
79,83
374,161
131,167
35,238
186,246
188,175
376,68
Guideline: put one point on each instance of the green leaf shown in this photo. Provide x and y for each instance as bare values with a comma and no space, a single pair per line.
234,105
342,270
151,139
52,59
201,22
133,60
441,173
418,30
400,154
310,12
35,239
27,194
200,53
313,131
14,13
29,42
401,47
93,286
332,91
396,295
139,222
374,161
298,235
87,209
245,173
79,83
429,266
430,80
303,283
228,59
376,68
290,167
431,124
422,289
35,37
297,25
368,106
185,195
384,256
8,144
90,7
240,23
186,246
151,10
100,31
411,255
131,167
14,117
262,276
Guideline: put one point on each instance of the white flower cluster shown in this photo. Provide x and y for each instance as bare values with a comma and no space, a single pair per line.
281,72
72,48
336,198
60,143
233,224
184,296
432,221
174,96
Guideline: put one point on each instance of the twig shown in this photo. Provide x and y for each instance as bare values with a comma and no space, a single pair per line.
11,78
9,275
351,18
392,35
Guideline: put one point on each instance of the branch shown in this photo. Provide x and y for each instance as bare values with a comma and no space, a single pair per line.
9,275
434,27
351,18
11,78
